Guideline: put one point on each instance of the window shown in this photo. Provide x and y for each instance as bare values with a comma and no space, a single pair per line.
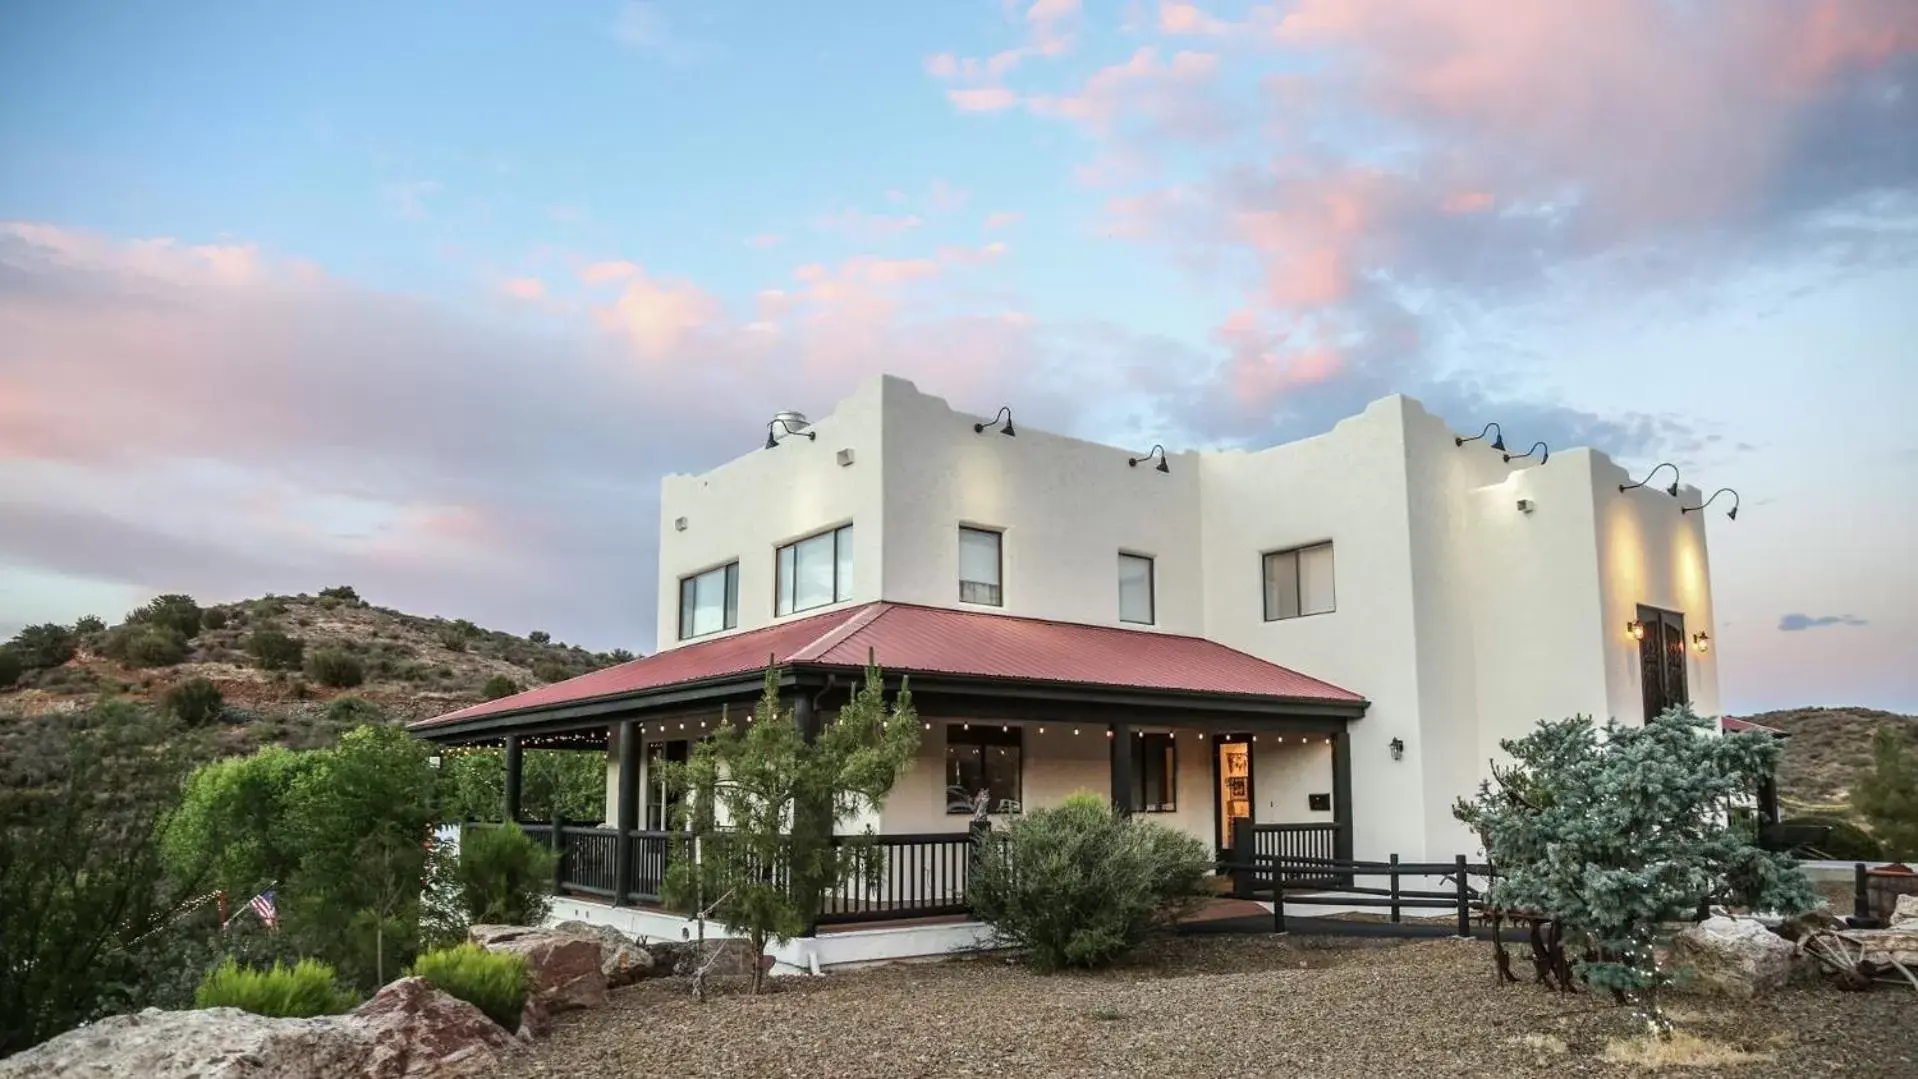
1298,582
1135,588
979,566
1155,771
814,572
709,601
982,758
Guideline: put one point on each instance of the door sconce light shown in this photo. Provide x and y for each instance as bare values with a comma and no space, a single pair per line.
1543,457
1006,411
1732,513
1498,443
786,425
1702,641
1672,490
1160,450
1635,630
1398,749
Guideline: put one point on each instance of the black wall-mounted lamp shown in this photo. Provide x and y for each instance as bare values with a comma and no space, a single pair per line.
786,425
1497,443
1635,630
1398,748
1160,450
1732,513
1545,456
1672,490
1702,641
1006,411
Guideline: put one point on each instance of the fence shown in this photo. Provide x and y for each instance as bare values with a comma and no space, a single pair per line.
1293,844
1456,893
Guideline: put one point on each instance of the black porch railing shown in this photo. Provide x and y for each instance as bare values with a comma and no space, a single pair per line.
1258,850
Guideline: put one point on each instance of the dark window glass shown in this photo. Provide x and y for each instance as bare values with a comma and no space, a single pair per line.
1155,772
709,601
814,571
982,758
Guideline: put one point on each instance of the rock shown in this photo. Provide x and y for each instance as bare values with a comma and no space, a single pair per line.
486,935
666,955
535,1020
722,957
417,1031
622,961
1735,957
1905,911
1896,945
564,971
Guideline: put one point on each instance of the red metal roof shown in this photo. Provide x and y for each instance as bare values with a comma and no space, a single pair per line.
909,639
1731,725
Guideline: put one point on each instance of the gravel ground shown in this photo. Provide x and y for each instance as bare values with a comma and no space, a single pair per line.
1204,1006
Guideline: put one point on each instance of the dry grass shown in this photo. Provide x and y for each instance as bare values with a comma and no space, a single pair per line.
1679,1050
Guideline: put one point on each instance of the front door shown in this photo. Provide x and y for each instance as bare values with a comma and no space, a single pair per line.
1232,765
1661,660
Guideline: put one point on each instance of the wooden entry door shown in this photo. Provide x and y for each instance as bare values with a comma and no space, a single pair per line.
1661,660
1232,769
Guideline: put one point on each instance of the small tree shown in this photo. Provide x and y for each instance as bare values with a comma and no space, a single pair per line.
43,646
336,668
343,593
155,646
172,611
540,636
1888,794
214,618
88,624
1611,838
10,667
273,650
780,793
504,877
498,686
195,702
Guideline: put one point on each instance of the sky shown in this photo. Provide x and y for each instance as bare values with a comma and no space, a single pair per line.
424,298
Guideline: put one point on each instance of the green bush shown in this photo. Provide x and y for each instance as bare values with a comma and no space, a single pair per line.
43,646
494,982
1076,886
451,638
88,623
547,670
504,877
305,989
617,655
214,618
10,667
273,650
343,592
540,636
333,667
195,702
499,686
173,611
155,646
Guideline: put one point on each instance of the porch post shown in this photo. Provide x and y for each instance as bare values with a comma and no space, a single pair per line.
1342,795
626,814
1122,750
513,767
806,718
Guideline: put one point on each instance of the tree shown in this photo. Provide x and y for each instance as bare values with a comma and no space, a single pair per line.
154,646
172,611
1608,838
540,636
234,828
42,646
568,783
343,592
335,667
88,624
498,686
780,793
273,650
10,667
195,702
1888,794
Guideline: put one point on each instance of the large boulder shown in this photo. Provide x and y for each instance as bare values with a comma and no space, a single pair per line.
1898,944
620,959
564,971
722,957
1905,911
417,1031
1735,957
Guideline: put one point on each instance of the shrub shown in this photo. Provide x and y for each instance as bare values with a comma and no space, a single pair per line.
195,702
156,646
494,982
354,712
540,636
547,670
451,639
307,988
342,592
504,877
10,667
214,618
88,623
499,686
618,655
1075,886
273,650
43,646
172,611
1888,794
333,667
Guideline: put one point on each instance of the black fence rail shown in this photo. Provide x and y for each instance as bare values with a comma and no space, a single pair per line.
1454,891
900,876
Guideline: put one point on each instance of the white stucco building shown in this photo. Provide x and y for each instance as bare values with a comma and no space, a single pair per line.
1331,634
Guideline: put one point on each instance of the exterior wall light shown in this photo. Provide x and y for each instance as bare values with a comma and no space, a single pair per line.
1398,749
1006,411
1536,446
786,425
1732,513
1702,641
1498,443
1635,629
1160,450
1672,490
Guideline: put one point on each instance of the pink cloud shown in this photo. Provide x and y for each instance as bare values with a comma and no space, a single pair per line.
764,240
598,273
658,318
942,66
525,288
1467,202
983,99
1166,94
1181,18
1003,219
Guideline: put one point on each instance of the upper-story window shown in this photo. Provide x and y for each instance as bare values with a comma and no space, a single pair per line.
709,601
980,566
814,571
1299,582
1135,588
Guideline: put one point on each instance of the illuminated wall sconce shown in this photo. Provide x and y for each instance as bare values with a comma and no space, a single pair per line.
1732,513
1635,630
1498,442
1702,641
1398,749
1004,410
1672,490
1160,450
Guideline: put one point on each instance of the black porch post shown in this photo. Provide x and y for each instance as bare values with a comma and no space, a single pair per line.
1122,750
626,811
513,767
806,718
1342,795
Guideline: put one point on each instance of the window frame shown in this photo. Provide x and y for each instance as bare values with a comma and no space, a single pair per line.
1160,740
729,600
841,589
984,736
999,565
1298,580
1151,589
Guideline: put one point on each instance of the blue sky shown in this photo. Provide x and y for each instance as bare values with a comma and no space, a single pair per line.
425,297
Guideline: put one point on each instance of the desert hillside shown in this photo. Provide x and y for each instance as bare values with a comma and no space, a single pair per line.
1827,751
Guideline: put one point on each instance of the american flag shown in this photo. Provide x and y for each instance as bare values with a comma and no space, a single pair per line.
262,905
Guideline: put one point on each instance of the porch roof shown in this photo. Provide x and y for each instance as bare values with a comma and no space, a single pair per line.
906,639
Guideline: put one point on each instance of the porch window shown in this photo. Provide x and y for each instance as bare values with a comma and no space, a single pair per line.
1299,582
1155,772
1135,589
709,601
814,571
980,565
983,757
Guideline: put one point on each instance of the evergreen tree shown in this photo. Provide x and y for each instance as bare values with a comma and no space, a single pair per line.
1888,794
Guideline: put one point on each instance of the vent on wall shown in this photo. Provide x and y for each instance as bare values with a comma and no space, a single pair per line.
844,457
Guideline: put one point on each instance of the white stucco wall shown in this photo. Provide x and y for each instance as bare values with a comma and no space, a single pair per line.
1285,771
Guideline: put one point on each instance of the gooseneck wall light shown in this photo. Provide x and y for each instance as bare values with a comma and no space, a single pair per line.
1006,411
1544,453
1732,513
1498,443
1160,450
1672,490
782,424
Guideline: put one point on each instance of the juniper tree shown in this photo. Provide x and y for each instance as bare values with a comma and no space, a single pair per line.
1610,837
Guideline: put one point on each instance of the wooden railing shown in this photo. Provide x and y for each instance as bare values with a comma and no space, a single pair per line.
1256,848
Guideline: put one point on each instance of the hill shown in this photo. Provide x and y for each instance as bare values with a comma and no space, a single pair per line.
409,666
1827,751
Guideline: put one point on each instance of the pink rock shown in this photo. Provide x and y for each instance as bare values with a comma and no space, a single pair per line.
417,1031
565,971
